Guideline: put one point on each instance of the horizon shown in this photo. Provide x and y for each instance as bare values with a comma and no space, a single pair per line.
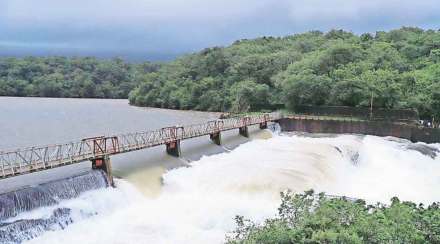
159,57
141,30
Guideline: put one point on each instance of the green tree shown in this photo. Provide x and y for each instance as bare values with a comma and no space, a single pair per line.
306,89
312,218
399,68
249,96
434,97
349,93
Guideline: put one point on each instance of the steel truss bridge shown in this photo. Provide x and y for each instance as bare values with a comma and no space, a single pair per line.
98,149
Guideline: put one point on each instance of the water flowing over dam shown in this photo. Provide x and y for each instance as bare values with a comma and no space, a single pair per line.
194,198
197,204
14,205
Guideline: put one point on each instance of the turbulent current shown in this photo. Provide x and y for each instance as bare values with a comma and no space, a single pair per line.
198,203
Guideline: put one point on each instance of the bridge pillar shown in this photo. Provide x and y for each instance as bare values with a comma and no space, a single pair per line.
216,138
105,165
173,148
243,131
263,125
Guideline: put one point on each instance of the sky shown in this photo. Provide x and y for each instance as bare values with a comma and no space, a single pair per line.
163,29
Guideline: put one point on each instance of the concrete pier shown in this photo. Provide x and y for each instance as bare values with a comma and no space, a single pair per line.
243,131
105,165
216,138
173,148
263,125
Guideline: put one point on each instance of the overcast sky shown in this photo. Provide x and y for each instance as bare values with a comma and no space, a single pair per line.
158,29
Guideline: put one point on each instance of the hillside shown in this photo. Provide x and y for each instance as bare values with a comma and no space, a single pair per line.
398,69
86,77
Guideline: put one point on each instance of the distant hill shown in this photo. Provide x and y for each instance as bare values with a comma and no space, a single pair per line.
398,69
128,56
395,69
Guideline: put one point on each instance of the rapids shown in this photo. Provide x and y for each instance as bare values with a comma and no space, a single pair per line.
197,204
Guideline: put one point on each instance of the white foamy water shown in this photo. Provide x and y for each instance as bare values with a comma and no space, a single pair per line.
197,204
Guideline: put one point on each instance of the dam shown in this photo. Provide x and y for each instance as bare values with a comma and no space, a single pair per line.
196,197
99,149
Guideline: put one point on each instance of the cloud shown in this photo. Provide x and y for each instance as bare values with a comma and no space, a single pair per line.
187,25
375,14
123,12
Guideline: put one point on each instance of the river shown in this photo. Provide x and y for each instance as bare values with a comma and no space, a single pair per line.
159,201
40,121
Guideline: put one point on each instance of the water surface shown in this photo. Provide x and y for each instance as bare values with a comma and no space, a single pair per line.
194,199
37,121
40,121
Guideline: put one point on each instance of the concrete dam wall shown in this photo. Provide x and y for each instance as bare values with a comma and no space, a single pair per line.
377,128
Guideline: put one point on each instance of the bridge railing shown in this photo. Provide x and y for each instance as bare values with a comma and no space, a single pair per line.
135,141
161,136
37,158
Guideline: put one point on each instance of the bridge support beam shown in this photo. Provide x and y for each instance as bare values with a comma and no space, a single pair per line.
263,125
173,148
243,131
216,138
105,165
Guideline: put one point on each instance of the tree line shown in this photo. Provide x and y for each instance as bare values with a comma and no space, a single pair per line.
311,218
395,69
86,77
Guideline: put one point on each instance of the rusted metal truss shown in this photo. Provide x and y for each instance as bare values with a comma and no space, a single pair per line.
27,160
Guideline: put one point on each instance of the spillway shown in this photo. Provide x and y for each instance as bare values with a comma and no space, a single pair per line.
198,203
17,207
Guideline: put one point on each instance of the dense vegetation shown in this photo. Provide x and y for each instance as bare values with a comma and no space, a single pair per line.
74,77
307,218
398,69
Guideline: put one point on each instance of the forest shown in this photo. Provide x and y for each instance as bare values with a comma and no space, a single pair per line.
86,77
317,218
395,69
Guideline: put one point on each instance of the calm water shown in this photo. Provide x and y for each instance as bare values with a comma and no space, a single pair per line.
36,121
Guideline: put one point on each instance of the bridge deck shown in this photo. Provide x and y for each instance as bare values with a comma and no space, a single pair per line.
28,160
